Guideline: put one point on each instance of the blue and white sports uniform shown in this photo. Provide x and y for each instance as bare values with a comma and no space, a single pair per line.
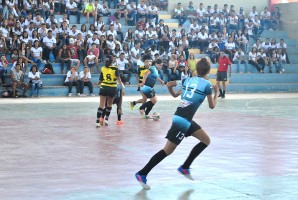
147,89
194,92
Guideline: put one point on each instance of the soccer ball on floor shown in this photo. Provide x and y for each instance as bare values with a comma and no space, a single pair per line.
156,116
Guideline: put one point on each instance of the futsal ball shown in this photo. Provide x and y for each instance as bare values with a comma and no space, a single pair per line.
156,116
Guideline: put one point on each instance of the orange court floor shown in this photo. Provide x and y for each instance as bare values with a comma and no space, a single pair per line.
50,149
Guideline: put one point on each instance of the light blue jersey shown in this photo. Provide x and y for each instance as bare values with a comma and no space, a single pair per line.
194,92
151,78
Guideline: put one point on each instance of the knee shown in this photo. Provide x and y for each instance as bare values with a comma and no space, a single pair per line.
169,151
206,140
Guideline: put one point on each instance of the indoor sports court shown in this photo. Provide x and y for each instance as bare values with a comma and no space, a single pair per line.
50,149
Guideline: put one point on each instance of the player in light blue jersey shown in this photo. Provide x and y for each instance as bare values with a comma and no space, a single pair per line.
193,93
147,89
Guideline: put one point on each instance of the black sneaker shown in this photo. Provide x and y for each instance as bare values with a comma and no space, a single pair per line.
223,96
220,95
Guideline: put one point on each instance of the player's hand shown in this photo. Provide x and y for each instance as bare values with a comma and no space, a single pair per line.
215,88
178,93
163,83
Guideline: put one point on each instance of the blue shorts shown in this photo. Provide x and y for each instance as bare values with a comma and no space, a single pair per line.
181,128
148,91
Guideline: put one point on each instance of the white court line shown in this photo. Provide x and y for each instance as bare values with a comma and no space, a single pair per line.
135,97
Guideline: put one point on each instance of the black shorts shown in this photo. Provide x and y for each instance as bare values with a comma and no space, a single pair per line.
108,91
177,132
117,100
221,76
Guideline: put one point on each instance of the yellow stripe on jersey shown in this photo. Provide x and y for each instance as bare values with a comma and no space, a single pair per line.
109,76
142,71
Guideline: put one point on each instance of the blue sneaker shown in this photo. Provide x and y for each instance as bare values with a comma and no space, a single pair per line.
185,172
142,180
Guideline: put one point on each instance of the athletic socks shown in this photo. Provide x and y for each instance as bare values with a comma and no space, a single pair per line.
108,112
104,113
193,154
119,117
157,158
220,93
149,107
223,94
99,113
134,103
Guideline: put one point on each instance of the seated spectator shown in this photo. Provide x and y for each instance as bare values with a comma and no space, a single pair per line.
266,45
201,12
135,55
72,80
241,41
34,81
281,59
72,9
191,12
253,12
124,67
239,58
142,11
14,55
117,27
36,54
230,48
91,41
258,29
3,69
180,15
241,18
162,4
73,33
193,39
99,23
211,47
140,36
262,59
203,39
182,66
74,53
131,14
3,47
253,59
266,19
152,13
17,81
93,51
64,57
64,19
214,23
121,11
48,69
215,55
129,38
232,22
85,80
103,9
49,43
275,19
89,10
282,45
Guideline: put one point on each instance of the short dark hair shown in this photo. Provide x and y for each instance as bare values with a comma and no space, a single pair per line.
203,67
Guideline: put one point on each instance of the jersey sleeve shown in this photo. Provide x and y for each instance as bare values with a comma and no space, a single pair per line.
208,88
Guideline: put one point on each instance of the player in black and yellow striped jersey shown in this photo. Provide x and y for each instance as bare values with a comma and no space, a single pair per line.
142,70
109,77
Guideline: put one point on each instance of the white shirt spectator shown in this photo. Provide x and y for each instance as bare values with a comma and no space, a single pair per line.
230,46
140,33
202,12
82,75
70,75
55,32
111,44
249,29
61,20
194,27
265,15
136,52
36,22
122,63
42,32
150,9
202,37
33,76
74,33
233,20
214,21
130,8
114,33
65,31
71,6
253,14
142,9
282,46
178,11
90,41
266,46
151,35
252,56
263,55
49,22
91,58
211,46
238,56
36,52
49,42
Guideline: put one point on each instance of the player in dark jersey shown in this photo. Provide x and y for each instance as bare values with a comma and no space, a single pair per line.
109,77
194,92
147,85
141,72
118,101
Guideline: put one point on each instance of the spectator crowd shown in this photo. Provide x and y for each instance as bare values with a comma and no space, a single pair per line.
30,33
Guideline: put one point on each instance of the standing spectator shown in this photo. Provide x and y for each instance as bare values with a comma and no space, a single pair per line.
239,58
72,80
17,81
3,69
253,59
223,64
34,80
85,80
282,45
180,15
64,57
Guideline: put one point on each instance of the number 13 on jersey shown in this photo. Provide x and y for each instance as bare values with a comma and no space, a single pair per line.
190,90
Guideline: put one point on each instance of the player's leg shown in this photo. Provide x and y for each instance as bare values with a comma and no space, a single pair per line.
201,135
150,105
103,113
157,158
100,109
108,109
224,89
119,111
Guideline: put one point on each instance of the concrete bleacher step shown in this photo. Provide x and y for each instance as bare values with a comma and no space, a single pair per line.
264,78
164,16
288,41
274,34
293,58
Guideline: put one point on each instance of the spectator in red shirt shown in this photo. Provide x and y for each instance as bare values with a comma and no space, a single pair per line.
96,53
74,54
221,76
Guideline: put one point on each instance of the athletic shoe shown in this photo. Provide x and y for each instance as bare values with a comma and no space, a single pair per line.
185,172
106,122
98,125
142,112
101,121
92,95
69,94
142,180
120,122
220,95
223,96
132,105
82,95
146,117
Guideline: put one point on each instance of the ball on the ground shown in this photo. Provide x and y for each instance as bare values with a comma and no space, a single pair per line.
156,116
